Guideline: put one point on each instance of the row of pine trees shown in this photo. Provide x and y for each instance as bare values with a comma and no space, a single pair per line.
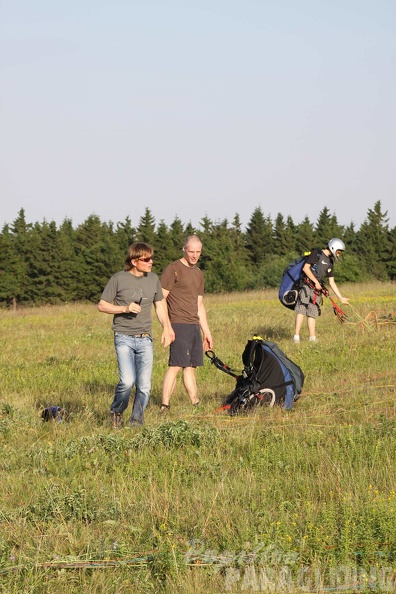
43,263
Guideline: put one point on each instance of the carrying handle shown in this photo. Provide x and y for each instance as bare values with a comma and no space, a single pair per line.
219,364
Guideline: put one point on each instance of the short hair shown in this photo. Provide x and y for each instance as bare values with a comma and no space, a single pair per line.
135,251
191,238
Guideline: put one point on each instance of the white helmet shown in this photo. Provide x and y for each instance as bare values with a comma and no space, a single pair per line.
334,246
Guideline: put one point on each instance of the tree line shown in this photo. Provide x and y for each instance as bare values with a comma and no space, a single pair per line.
43,263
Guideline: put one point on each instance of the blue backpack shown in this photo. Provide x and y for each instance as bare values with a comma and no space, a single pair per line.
266,370
291,282
269,377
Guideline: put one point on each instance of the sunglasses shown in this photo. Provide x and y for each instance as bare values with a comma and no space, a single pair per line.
145,259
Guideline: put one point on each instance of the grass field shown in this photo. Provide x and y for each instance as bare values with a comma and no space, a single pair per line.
298,501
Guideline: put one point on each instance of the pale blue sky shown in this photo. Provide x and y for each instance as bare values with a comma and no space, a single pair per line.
197,108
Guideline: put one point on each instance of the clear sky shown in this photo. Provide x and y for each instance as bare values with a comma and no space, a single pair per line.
197,108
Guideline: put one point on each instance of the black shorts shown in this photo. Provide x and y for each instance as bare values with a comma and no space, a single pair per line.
186,350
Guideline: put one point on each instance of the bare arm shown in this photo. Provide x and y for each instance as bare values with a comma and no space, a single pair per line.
168,334
111,308
203,322
334,287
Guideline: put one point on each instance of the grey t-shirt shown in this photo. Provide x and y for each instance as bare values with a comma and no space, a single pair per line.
123,288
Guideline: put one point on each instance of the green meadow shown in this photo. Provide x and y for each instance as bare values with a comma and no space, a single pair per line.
198,501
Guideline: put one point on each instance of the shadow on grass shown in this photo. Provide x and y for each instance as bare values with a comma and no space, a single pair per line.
274,334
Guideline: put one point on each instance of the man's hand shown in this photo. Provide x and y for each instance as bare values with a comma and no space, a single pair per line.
167,337
134,308
207,342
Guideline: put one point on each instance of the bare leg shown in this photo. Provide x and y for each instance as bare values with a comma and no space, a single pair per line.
311,327
298,324
169,383
190,384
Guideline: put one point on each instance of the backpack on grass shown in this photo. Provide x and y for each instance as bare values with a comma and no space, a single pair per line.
269,377
56,413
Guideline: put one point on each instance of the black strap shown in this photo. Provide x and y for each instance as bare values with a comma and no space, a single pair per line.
220,365
289,383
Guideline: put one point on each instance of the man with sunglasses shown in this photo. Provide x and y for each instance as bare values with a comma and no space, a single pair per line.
183,286
129,296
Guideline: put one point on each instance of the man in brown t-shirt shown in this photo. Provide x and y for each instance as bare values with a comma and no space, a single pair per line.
183,288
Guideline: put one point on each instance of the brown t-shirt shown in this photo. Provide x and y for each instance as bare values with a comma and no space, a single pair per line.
184,285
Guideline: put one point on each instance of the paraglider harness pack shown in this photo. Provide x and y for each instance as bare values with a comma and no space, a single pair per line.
292,281
269,377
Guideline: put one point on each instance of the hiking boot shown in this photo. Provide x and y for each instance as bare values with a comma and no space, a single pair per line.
117,420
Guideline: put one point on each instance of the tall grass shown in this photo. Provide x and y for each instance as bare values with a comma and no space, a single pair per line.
195,500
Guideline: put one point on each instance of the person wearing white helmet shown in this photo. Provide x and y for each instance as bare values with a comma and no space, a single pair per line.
318,266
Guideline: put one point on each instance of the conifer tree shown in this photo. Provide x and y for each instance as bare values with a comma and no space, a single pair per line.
177,237
373,242
391,266
163,248
96,259
8,264
327,227
259,236
146,228
240,256
169,243
281,237
238,237
351,267
206,236
224,270
291,230
190,229
19,268
124,236
44,264
68,276
305,237
350,238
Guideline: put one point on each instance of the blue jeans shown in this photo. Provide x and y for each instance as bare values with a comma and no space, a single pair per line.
135,366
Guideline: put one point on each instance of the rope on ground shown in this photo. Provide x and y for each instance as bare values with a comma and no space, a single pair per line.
372,321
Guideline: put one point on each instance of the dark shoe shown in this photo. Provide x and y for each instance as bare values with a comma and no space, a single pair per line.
165,408
134,424
117,420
